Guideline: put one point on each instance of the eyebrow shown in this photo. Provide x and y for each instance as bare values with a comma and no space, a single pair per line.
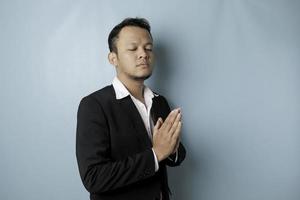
134,43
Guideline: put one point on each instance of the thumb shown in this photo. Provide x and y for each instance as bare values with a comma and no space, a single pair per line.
159,122
157,125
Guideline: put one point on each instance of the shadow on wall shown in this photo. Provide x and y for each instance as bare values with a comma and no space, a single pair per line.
179,177
162,71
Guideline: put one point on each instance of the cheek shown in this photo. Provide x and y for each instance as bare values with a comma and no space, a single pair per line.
129,56
127,61
151,59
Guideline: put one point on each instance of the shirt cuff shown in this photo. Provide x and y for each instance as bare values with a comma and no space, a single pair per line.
176,157
155,161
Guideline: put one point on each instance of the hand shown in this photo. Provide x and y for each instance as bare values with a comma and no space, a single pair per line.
166,135
177,145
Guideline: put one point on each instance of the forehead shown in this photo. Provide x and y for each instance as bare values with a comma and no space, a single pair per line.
132,34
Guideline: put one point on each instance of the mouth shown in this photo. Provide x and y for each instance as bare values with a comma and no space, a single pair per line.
143,65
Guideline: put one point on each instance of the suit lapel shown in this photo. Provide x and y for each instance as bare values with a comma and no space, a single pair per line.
157,109
133,114
154,110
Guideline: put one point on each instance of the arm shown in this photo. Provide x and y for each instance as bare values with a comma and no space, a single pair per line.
99,173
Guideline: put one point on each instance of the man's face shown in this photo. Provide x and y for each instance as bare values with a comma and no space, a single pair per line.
134,58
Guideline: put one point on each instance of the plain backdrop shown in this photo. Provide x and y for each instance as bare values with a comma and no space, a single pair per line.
232,66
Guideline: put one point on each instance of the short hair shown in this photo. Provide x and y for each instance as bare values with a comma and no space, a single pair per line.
113,35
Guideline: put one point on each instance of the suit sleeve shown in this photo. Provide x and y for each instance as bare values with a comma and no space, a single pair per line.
99,173
181,152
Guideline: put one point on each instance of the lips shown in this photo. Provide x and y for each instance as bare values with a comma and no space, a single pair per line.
143,64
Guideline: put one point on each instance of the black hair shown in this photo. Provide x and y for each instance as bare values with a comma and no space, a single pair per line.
113,35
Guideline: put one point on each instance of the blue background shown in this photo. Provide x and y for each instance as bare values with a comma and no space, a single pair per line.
232,66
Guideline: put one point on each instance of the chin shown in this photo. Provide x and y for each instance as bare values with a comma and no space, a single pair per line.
142,77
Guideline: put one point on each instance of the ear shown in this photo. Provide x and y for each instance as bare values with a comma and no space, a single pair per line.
112,58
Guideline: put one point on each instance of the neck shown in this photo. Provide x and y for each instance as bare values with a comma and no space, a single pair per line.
135,87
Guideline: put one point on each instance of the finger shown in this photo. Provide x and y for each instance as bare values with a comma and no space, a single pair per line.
172,114
170,119
177,146
157,126
159,122
176,142
180,116
175,124
177,134
177,131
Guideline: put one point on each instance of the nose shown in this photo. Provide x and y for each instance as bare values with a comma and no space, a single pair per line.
143,53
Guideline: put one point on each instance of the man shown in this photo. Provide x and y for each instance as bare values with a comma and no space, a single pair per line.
126,134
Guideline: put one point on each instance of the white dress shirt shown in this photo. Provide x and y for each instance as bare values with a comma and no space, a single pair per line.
144,109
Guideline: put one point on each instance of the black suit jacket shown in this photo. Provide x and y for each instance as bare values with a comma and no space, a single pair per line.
113,149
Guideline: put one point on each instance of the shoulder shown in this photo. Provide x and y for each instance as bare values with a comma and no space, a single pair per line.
104,93
160,101
160,97
100,97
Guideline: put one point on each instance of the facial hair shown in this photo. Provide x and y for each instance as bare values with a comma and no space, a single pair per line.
141,78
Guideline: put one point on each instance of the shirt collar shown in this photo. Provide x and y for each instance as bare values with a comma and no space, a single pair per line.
121,91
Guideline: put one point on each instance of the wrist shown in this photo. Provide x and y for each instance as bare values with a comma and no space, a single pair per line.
158,155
